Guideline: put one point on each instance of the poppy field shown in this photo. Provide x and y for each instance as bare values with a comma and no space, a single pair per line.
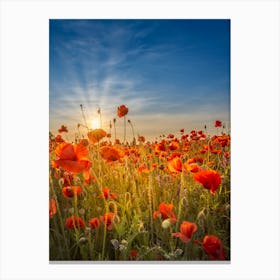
119,200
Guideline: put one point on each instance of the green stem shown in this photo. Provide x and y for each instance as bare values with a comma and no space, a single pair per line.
61,221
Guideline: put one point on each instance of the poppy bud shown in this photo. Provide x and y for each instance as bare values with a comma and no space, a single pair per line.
82,211
61,182
115,243
122,247
166,223
82,240
178,252
124,242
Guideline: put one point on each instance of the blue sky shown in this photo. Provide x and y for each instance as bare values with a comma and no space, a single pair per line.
171,74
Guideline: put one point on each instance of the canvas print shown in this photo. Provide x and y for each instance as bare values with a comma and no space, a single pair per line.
139,140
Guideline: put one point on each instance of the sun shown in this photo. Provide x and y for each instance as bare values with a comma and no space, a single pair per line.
95,123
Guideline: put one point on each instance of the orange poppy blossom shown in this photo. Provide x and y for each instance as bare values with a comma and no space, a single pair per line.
74,222
72,157
213,247
84,142
52,207
94,223
96,135
187,229
108,220
141,139
175,165
226,155
122,111
210,179
160,147
107,194
174,145
223,140
110,153
63,128
166,211
143,168
71,191
195,159
193,167
54,164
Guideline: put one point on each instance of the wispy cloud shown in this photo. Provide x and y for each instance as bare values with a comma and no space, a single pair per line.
167,78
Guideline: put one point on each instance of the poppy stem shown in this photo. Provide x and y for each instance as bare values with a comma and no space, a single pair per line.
114,122
60,220
132,128
83,115
100,121
124,133
150,206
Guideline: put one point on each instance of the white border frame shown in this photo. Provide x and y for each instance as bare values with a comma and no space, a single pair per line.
254,126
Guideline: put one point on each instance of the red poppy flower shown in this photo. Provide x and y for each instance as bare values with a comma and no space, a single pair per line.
166,211
160,147
193,167
218,123
84,142
74,222
59,139
52,208
63,128
175,165
210,179
133,254
72,158
141,139
107,194
68,178
122,111
143,168
213,247
187,229
110,153
108,220
194,160
96,135
94,223
227,155
174,146
70,191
